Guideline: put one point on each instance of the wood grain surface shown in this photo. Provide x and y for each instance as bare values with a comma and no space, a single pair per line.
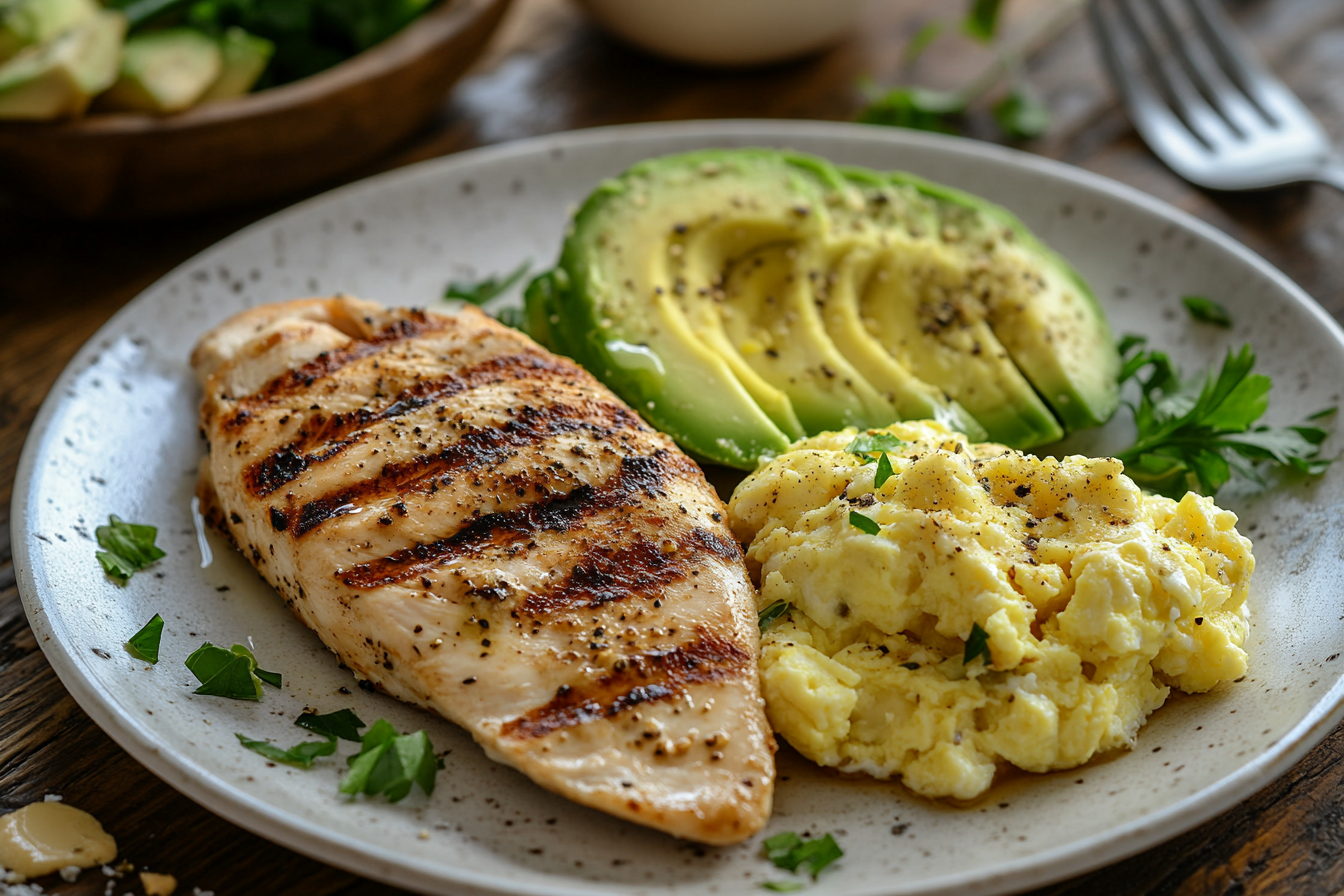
549,70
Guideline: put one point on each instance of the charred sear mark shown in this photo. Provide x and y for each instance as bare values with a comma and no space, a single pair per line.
339,431
475,449
641,567
644,474
324,365
652,676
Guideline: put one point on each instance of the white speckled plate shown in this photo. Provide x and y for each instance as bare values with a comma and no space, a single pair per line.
118,435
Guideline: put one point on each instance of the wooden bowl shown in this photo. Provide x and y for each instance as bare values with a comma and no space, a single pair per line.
256,147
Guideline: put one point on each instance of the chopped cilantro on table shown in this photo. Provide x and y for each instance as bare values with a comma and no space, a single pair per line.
1207,311
301,755
478,292
127,548
229,673
792,853
767,616
389,763
977,645
864,524
144,644
1196,434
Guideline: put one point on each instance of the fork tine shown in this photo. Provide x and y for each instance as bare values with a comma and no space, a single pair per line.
1206,124
1232,52
1197,60
1159,127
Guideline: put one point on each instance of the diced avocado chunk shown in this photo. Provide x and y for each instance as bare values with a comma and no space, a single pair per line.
164,71
741,298
244,56
59,78
29,23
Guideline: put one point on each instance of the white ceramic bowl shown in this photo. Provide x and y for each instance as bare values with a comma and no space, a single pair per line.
727,32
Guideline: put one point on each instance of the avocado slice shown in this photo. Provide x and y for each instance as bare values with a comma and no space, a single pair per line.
244,57
1040,308
742,298
59,78
28,23
164,72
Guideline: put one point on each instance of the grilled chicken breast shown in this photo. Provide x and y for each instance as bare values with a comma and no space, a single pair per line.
479,527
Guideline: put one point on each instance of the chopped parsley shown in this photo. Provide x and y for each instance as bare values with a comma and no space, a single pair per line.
1021,114
1196,434
1207,311
127,548
982,19
977,645
782,886
478,292
866,444
343,724
792,853
144,644
389,763
767,616
864,524
884,471
301,755
229,673
923,38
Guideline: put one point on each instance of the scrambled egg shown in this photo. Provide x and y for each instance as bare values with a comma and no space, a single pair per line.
1011,608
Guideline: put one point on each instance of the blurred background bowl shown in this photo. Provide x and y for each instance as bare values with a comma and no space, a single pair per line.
256,147
727,32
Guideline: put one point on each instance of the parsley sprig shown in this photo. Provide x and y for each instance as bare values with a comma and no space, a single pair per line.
229,673
792,853
389,763
1195,434
144,644
478,292
342,724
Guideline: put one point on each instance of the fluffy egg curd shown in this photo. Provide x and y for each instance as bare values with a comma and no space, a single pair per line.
981,605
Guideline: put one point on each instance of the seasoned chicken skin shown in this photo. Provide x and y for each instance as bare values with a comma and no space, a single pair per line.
479,527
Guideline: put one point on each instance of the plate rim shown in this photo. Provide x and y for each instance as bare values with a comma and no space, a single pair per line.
347,853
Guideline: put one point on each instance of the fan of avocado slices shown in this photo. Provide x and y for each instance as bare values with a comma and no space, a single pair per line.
741,299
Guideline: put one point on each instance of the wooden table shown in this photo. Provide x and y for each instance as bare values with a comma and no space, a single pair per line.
550,70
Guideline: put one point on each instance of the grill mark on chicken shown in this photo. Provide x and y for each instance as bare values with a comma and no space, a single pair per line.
301,379
638,474
650,676
475,449
339,431
640,567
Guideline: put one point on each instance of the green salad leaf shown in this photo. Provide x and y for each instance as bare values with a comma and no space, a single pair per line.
1196,434
231,673
127,548
389,763
144,644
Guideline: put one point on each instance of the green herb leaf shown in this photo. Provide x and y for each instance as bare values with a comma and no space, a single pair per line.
925,36
782,886
1198,434
127,548
791,852
389,763
229,673
977,645
873,443
884,471
301,755
512,316
864,524
343,724
767,616
144,644
915,108
1022,115
1207,311
481,291
982,19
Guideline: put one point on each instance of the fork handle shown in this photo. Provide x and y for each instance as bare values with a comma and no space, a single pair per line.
1331,172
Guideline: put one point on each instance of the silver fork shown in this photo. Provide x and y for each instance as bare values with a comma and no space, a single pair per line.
1202,101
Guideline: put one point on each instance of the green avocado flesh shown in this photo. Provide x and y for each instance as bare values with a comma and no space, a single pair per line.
741,299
